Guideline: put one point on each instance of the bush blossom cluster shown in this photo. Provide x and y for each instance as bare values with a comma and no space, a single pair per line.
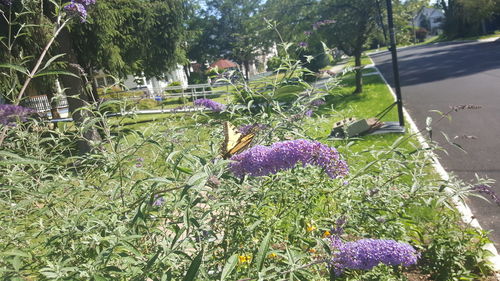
9,114
488,190
249,128
210,104
262,160
365,254
79,7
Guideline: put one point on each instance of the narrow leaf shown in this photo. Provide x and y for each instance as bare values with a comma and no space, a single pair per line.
194,267
229,267
261,253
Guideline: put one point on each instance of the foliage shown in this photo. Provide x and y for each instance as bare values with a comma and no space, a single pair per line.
158,202
131,37
273,63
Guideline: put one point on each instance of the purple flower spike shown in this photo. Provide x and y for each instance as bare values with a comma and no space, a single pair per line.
6,2
365,254
303,44
309,113
262,160
210,104
79,8
488,190
248,128
318,102
159,201
10,113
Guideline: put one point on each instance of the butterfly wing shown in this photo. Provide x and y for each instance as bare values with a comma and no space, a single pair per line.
242,144
231,138
235,142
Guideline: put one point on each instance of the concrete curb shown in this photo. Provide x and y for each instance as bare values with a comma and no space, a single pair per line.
462,207
492,39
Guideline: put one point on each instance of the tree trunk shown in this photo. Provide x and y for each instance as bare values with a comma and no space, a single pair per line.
247,69
78,97
359,73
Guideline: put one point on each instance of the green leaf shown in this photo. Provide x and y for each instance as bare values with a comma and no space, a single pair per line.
194,267
229,267
17,253
15,67
51,60
54,72
261,253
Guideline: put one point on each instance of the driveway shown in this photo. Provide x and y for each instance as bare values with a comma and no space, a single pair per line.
441,76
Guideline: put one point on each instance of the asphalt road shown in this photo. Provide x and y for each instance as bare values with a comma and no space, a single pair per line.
441,76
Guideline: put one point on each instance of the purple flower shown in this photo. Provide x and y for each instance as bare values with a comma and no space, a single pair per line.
309,113
248,128
303,44
488,190
79,7
262,160
9,114
317,102
365,254
213,105
308,32
6,2
159,200
139,161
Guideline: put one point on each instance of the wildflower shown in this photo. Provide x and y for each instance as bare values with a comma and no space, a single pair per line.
213,105
139,161
326,234
303,44
272,255
9,114
310,227
312,250
79,7
308,32
159,200
262,160
365,254
6,2
309,113
244,259
488,190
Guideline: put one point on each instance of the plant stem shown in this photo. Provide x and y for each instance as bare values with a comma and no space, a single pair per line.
39,62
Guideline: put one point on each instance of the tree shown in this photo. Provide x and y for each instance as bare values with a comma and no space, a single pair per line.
467,17
354,21
230,29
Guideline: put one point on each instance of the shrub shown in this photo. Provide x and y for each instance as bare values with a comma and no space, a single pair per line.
147,104
421,34
173,84
273,63
197,78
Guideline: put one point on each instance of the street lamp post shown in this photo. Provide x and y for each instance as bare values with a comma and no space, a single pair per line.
395,66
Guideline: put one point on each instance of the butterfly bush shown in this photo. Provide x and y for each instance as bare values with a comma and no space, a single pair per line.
365,254
488,190
262,160
213,105
79,7
9,114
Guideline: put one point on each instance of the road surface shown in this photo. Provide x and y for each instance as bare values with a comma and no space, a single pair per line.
440,76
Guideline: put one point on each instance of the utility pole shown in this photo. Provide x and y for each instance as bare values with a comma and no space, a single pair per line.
395,66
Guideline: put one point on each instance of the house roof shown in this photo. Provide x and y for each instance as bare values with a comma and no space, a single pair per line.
223,64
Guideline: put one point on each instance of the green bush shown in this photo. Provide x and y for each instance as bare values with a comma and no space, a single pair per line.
174,84
273,63
147,104
197,78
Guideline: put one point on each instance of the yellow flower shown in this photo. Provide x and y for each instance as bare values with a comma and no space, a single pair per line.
244,259
326,234
272,255
310,227
312,250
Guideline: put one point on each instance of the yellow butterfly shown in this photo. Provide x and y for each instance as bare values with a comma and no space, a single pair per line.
235,142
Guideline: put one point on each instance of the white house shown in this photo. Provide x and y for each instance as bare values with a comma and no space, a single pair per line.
154,85
433,18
